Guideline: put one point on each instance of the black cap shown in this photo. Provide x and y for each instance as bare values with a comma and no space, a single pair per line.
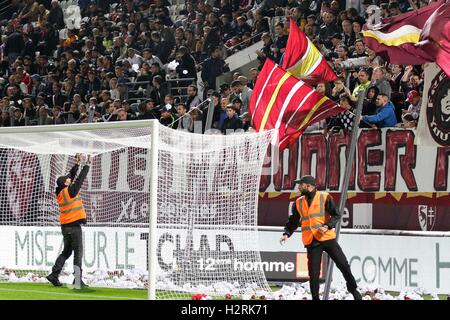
337,36
61,180
306,179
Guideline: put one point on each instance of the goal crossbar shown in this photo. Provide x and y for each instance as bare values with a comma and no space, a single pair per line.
81,126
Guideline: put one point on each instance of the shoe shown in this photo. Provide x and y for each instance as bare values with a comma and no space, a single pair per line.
82,284
54,280
356,295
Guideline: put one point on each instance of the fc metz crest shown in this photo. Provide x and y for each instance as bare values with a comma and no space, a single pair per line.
438,109
427,217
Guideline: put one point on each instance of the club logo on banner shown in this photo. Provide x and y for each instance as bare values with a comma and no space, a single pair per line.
434,121
427,217
438,109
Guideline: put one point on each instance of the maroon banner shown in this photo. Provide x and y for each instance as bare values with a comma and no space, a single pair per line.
395,211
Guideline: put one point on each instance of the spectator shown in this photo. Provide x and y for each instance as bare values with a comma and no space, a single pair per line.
5,119
18,118
148,57
192,100
323,88
185,122
122,115
397,74
338,89
328,28
44,117
360,49
280,42
242,26
29,111
212,40
167,118
232,121
213,67
240,86
394,9
57,115
385,113
48,41
364,83
133,58
379,80
348,33
237,105
410,117
369,103
55,15
158,91
186,67
410,81
266,51
110,113
336,41
147,110
14,46
36,85
253,77
93,84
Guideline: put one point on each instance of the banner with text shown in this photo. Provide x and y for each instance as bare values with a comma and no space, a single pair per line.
376,260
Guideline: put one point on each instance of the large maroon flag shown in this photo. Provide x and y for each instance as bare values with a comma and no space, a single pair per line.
435,37
396,38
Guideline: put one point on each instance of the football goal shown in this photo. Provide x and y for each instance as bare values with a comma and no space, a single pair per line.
168,211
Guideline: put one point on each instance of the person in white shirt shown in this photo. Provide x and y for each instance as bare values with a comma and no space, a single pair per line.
133,58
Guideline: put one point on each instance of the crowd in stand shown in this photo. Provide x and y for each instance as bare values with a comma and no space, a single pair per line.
131,59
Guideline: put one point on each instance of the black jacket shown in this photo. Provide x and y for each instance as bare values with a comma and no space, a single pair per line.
294,218
75,187
14,43
212,68
231,124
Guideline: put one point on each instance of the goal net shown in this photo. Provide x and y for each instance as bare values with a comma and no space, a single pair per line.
205,237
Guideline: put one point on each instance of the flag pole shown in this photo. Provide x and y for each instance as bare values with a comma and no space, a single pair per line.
344,189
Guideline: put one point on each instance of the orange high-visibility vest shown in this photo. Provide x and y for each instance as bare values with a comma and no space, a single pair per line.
313,217
70,209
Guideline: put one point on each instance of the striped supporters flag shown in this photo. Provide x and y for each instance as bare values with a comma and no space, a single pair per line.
435,37
281,101
395,39
304,60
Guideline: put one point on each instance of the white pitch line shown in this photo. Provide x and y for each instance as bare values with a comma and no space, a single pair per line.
70,294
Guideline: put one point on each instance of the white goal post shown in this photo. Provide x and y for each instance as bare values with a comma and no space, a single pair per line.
196,195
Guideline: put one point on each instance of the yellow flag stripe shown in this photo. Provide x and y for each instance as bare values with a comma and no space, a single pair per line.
308,62
272,100
312,111
394,42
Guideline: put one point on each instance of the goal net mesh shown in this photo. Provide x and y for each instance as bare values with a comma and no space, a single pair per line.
207,193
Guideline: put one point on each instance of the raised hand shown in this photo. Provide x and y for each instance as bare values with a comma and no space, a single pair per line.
79,157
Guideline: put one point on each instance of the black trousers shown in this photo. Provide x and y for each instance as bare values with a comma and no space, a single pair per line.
73,241
335,252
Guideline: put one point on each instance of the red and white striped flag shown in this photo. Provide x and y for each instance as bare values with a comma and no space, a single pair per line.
281,101
304,60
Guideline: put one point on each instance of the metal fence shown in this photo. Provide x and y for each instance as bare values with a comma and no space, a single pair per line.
141,90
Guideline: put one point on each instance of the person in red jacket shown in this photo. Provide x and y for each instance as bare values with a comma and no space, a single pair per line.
72,216
317,214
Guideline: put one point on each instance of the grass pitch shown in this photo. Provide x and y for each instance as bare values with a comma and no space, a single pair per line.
46,291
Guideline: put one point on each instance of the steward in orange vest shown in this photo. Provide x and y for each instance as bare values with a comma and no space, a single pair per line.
71,216
317,215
